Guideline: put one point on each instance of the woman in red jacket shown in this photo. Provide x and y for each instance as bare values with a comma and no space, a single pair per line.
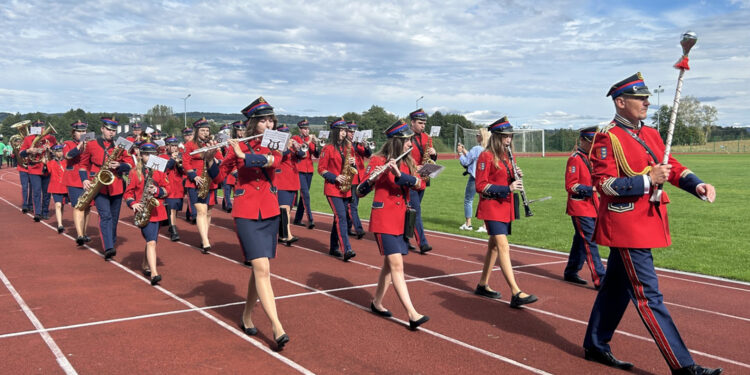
133,194
256,212
333,158
495,183
56,187
392,180
287,181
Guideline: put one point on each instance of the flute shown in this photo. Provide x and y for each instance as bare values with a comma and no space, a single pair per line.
375,175
222,144
526,206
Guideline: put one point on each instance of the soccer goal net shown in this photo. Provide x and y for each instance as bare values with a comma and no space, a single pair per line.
525,141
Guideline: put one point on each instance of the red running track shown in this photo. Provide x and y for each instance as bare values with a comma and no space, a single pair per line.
67,311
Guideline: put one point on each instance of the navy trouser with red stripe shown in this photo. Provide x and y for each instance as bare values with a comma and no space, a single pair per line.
305,179
584,249
415,202
339,231
631,275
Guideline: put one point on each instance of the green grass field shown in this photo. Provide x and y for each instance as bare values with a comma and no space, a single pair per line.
706,238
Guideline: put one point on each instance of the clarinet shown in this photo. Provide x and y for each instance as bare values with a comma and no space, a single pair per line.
526,206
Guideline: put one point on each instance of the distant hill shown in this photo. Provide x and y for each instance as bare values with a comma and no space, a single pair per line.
3,115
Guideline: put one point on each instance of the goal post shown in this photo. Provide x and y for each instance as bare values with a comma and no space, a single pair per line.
525,141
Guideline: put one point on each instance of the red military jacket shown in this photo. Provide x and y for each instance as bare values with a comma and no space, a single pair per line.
195,163
36,165
287,176
175,175
134,192
56,182
391,197
254,195
626,217
361,152
421,142
582,199
72,164
305,163
494,179
94,156
329,166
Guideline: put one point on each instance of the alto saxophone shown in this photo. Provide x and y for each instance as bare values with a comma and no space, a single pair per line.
347,170
203,189
103,177
426,159
148,201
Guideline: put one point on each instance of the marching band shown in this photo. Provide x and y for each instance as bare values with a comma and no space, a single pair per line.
263,184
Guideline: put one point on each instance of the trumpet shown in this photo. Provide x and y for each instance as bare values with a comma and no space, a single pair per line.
222,144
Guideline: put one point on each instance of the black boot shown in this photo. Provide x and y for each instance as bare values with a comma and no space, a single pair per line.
174,235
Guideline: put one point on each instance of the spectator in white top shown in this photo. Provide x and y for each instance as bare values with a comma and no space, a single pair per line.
469,161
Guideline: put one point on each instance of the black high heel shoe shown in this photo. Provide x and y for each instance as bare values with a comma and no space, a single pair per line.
252,331
86,238
60,229
281,341
383,313
205,249
147,272
155,280
413,325
290,241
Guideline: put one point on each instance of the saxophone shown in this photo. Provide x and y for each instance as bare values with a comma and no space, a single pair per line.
148,201
347,170
426,159
203,189
103,177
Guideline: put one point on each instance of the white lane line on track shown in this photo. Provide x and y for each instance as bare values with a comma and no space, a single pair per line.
413,278
221,323
563,317
62,361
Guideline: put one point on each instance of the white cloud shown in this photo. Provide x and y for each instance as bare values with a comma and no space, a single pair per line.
546,63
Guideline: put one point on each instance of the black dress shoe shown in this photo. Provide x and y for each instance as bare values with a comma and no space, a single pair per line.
483,291
311,225
86,238
109,253
24,210
60,229
229,210
37,218
281,341
248,263
298,223
413,325
252,331
607,359
697,370
334,253
383,313
575,279
45,217
205,249
517,301
424,248
360,235
155,280
349,255
352,233
80,241
411,247
289,242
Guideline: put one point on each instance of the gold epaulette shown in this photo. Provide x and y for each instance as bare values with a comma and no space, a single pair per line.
621,161
606,128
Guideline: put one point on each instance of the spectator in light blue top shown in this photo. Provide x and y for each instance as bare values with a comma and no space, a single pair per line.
469,161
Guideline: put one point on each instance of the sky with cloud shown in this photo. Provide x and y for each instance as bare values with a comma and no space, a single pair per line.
547,64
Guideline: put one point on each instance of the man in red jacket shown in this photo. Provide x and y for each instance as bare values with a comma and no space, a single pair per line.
626,159
582,206
38,155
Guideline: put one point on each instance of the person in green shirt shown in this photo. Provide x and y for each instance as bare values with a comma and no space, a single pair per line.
3,155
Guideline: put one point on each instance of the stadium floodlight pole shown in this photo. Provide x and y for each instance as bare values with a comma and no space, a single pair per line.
184,111
420,98
658,107
688,41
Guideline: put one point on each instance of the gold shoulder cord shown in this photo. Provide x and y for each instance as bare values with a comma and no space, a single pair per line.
621,161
